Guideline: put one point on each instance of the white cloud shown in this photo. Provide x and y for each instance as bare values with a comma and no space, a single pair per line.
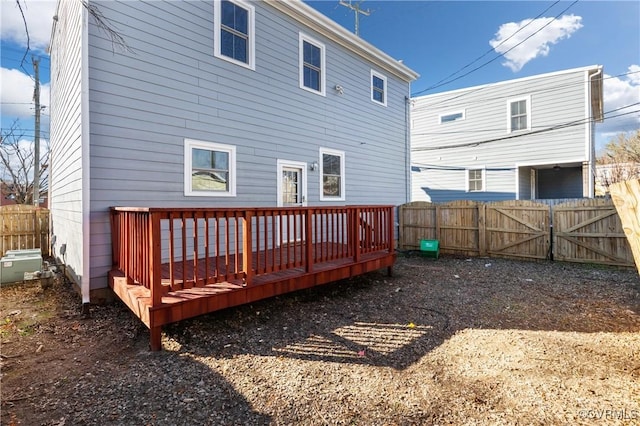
543,33
620,95
16,96
39,17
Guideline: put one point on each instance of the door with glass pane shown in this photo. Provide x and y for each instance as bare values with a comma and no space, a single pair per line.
292,192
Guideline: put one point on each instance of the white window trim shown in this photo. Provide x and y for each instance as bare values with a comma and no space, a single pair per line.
385,93
217,27
528,102
189,144
323,67
461,111
342,175
484,178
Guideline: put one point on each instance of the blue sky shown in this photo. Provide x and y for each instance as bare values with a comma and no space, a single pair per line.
438,39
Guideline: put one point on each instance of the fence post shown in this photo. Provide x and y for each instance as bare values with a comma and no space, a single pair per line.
482,229
437,224
401,231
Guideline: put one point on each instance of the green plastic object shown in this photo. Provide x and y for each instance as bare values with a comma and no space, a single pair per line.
430,248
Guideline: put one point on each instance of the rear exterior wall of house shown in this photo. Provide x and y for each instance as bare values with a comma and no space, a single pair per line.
171,89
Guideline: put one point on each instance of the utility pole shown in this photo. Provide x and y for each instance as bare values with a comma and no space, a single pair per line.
36,97
356,8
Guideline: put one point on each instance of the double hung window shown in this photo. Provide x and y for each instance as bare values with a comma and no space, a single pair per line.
234,32
312,65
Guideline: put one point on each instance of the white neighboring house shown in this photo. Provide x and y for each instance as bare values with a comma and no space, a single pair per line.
528,138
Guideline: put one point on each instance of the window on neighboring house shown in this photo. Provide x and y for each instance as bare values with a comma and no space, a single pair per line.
475,180
209,169
453,116
332,172
519,114
378,88
312,65
234,32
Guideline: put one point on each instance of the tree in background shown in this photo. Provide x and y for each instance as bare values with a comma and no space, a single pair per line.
18,160
620,160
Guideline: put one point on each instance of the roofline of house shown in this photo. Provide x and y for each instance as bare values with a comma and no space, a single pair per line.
315,20
591,68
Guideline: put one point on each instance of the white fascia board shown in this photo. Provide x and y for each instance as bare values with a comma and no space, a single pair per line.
315,20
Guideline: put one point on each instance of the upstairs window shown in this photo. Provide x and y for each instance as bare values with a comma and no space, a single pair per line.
332,172
234,32
475,180
452,116
519,114
312,65
378,88
209,169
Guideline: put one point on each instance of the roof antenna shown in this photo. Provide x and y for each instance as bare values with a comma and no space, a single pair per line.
356,8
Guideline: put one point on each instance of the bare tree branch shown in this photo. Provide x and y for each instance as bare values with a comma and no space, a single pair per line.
17,158
620,160
116,39
26,31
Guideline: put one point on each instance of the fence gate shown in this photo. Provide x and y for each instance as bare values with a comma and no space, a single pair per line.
516,229
590,231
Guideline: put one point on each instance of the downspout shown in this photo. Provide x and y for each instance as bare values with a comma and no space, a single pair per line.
85,284
407,148
592,144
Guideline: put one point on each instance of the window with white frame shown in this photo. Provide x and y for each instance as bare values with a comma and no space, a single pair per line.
312,65
519,112
209,169
475,180
332,174
452,116
378,88
234,24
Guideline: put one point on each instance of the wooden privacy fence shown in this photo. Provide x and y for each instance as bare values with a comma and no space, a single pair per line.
24,227
586,230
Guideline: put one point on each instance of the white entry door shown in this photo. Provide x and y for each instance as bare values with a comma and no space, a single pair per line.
292,192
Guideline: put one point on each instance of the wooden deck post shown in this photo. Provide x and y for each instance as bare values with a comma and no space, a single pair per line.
355,223
308,230
247,248
155,276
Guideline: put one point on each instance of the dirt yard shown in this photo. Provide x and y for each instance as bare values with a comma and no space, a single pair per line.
448,341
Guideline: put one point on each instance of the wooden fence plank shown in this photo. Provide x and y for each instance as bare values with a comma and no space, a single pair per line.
626,198
24,227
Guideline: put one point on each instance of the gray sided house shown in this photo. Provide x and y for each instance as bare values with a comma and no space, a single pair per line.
529,138
214,104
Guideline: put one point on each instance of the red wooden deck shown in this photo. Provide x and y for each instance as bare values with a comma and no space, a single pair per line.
173,264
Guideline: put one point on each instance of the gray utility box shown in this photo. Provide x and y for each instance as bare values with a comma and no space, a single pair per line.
21,253
13,268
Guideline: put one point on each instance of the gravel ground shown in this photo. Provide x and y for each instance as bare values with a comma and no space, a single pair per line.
448,341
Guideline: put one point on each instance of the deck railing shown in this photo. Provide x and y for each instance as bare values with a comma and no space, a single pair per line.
166,249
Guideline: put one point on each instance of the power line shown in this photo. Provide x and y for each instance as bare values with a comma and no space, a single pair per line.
534,132
437,84
501,54
511,95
